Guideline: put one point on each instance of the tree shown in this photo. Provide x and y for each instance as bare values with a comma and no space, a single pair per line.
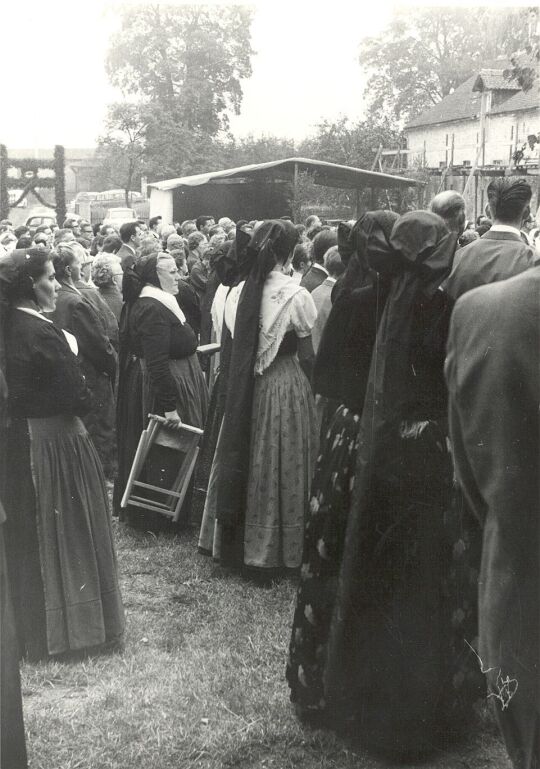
187,60
260,149
347,143
122,148
524,63
425,53
351,144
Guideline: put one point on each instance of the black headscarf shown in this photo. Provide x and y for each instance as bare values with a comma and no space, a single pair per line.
406,385
343,359
272,242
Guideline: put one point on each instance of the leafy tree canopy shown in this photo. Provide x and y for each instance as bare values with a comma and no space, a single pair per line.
187,59
425,53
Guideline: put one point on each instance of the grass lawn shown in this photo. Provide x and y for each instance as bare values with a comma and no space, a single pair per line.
199,685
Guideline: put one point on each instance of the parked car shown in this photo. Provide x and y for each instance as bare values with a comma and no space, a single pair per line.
118,216
37,217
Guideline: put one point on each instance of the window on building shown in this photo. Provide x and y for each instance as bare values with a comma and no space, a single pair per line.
447,140
497,163
442,164
466,163
511,133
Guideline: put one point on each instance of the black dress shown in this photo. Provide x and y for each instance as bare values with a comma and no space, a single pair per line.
393,672
61,554
172,379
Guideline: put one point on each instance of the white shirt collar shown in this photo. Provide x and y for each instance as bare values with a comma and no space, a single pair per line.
37,314
331,280
505,228
319,267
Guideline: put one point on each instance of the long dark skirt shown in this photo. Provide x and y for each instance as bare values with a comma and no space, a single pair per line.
12,742
162,464
323,548
61,553
395,671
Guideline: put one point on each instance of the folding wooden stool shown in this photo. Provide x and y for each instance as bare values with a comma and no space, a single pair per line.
185,439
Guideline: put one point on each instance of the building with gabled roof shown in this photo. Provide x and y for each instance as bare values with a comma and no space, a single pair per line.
480,126
450,132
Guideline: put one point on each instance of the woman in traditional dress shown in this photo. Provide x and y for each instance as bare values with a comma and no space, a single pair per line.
233,268
61,556
391,671
340,375
12,739
167,346
269,431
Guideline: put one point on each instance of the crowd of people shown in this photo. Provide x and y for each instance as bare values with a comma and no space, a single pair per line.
370,429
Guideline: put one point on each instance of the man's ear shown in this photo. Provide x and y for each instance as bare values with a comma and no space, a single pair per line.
526,214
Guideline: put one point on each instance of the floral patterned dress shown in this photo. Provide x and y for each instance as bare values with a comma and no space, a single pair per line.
323,548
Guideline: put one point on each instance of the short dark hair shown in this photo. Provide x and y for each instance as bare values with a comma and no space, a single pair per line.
27,268
63,256
96,228
482,229
42,228
111,244
300,254
128,230
200,221
321,243
311,220
25,241
508,198
22,229
154,221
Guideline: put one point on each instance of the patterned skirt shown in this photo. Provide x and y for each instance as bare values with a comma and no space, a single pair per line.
323,547
284,441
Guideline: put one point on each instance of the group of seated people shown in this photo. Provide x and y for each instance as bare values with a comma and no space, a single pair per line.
369,427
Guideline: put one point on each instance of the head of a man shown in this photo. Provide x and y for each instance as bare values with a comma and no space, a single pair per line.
450,206
65,235
21,231
204,224
111,244
87,231
67,260
333,263
321,243
155,223
509,200
130,234
301,260
313,221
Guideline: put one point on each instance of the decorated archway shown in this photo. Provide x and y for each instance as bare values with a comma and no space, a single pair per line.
33,175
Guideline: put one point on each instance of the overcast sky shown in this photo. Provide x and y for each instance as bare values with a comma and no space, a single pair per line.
55,90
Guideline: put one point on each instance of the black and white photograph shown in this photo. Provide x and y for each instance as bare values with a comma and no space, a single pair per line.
269,385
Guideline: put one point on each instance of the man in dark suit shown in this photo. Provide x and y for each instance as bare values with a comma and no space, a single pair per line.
317,273
501,252
130,234
493,376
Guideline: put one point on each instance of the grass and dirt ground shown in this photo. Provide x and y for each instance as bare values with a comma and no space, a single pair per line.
200,683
